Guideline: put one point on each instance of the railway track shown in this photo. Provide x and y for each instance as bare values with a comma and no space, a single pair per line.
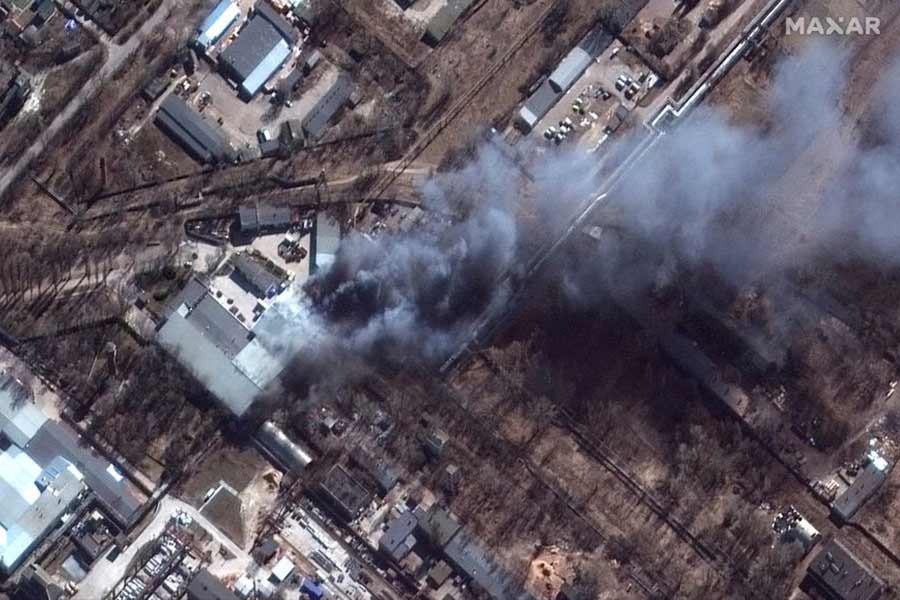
608,460
461,104
653,585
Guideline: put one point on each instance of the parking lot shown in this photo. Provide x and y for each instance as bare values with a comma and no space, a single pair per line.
616,78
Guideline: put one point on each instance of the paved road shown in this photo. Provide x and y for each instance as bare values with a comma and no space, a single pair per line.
106,574
117,55
511,288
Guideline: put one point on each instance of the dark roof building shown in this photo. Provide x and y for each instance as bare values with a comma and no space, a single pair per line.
265,10
15,87
316,120
220,326
207,587
292,132
438,524
191,131
836,574
537,106
118,495
255,276
863,487
441,23
156,88
305,11
258,52
343,493
270,148
385,474
324,242
265,217
399,540
438,574
200,333
468,556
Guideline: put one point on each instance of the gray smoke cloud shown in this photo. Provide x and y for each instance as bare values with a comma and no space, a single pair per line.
414,296
712,194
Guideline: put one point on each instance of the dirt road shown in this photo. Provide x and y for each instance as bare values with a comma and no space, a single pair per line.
117,56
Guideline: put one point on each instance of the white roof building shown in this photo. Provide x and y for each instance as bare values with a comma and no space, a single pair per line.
283,569
20,419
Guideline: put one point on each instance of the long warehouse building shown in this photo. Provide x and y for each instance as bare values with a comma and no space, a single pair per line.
216,24
191,131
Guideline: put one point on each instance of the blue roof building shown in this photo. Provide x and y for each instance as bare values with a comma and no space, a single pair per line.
312,589
261,48
269,65
216,24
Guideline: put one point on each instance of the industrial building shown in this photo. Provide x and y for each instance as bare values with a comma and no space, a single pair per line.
343,493
836,574
323,243
119,498
216,24
282,450
399,539
466,554
441,23
203,141
576,62
317,119
261,48
205,338
40,480
15,87
254,276
864,486
205,586
258,219
537,106
563,77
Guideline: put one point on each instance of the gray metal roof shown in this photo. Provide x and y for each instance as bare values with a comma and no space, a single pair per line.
579,59
344,492
324,242
255,42
119,495
247,217
20,419
841,576
219,326
208,363
439,524
190,295
394,539
262,281
274,216
863,487
264,10
537,106
199,138
469,556
316,120
441,23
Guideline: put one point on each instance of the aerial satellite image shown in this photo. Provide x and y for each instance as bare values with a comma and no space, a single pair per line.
449,299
